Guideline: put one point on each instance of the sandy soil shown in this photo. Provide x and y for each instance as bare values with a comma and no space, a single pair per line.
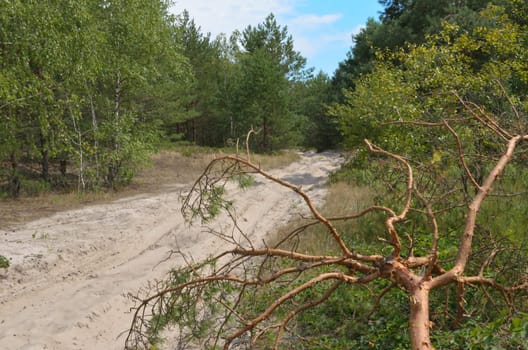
70,272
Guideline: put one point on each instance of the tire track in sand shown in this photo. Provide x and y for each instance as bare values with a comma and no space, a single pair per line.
69,272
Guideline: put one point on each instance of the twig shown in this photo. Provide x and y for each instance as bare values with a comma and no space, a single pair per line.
395,240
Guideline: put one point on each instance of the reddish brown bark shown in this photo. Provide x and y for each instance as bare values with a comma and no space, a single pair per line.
419,324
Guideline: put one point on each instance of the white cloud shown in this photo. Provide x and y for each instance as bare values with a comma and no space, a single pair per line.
340,37
311,46
343,38
356,30
307,46
312,20
314,35
224,16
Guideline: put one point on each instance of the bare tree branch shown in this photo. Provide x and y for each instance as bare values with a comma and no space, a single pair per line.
461,156
467,236
483,118
395,239
250,265
322,277
433,255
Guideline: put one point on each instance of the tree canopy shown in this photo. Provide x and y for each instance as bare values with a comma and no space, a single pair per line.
80,87
404,105
87,90
401,23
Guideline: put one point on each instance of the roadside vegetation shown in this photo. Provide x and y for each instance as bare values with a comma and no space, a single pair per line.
176,164
90,89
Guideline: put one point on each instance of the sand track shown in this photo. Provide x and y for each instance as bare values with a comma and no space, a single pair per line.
69,272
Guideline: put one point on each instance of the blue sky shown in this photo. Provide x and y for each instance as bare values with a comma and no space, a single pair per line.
322,29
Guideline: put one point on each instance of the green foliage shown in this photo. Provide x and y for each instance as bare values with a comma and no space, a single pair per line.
88,89
244,81
499,334
423,83
35,187
4,262
212,204
216,201
85,83
401,23
245,180
268,66
194,309
310,97
203,111
418,84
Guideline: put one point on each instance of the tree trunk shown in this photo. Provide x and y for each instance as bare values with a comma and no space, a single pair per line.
265,136
419,324
45,158
194,131
117,101
95,138
113,167
81,184
63,165
14,180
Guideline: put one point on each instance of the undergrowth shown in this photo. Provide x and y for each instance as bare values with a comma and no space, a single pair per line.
376,317
179,164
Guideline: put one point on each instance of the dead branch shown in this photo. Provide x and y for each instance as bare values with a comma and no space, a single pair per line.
424,123
363,213
379,297
460,304
467,236
322,277
461,156
433,255
483,118
395,239
204,195
248,266
302,308
251,131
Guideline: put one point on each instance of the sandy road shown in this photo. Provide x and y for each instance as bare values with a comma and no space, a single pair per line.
69,272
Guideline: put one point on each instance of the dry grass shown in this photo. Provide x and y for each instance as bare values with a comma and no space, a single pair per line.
342,199
276,160
168,167
24,209
185,167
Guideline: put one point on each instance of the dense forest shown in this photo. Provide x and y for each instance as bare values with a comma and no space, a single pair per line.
89,88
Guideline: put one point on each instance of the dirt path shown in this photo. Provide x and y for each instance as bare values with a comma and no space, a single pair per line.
69,272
